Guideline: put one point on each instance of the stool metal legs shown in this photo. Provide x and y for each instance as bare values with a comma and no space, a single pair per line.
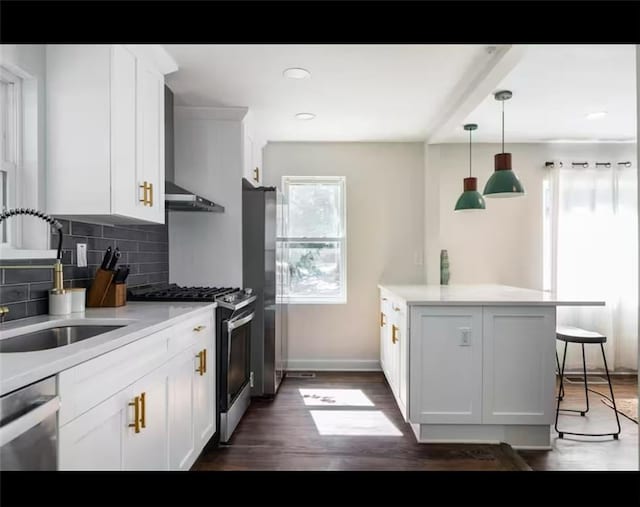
586,393
561,392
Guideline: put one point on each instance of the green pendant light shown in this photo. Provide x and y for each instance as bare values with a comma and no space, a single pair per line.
471,199
503,182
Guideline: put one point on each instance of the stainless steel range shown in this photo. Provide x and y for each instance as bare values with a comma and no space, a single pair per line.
234,313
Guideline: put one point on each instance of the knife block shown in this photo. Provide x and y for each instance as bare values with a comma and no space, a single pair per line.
104,293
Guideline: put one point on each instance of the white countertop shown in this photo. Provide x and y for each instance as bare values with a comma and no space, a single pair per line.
481,295
18,369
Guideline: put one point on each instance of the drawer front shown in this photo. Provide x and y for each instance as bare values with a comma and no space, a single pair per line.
86,385
188,333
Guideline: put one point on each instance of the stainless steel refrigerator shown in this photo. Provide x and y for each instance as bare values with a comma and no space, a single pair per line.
265,270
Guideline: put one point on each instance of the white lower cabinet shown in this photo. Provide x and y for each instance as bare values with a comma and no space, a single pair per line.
145,438
181,402
446,365
161,421
393,347
521,386
481,365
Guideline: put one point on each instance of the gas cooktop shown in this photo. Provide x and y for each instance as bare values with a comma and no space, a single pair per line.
173,292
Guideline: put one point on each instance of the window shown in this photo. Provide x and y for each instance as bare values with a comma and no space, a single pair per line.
10,149
315,239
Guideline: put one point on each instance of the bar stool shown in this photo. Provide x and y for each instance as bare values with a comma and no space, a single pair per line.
569,334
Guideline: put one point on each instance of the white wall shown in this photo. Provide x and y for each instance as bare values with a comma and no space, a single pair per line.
385,235
502,244
28,61
205,249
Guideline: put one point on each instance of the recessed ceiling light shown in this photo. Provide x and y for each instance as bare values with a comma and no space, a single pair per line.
296,73
596,114
305,116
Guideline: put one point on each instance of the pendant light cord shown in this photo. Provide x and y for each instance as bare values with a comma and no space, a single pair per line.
470,153
503,126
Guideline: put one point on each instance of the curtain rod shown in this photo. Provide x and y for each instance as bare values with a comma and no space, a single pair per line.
585,165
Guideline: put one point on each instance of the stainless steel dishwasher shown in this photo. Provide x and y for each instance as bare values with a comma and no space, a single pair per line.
29,427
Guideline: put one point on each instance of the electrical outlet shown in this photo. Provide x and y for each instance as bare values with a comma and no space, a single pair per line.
465,336
417,258
81,255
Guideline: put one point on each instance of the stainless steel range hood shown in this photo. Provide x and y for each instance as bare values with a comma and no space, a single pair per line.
177,198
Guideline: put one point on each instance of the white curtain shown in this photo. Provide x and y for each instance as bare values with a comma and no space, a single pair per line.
596,258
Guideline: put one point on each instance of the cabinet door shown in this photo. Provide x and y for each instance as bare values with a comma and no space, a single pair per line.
181,384
393,349
445,357
124,184
385,334
95,440
147,449
403,355
205,389
518,350
150,142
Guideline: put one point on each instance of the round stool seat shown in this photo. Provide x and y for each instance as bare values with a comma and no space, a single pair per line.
578,335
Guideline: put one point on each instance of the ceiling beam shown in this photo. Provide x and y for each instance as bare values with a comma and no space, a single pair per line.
480,81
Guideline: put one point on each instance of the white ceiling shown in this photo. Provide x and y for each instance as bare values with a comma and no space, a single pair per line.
554,87
399,92
358,92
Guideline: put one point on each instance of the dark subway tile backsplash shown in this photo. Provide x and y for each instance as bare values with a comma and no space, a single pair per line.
144,248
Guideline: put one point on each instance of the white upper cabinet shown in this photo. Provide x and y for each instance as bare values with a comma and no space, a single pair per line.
105,132
252,152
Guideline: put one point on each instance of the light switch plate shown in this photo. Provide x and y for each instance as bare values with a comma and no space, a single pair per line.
81,255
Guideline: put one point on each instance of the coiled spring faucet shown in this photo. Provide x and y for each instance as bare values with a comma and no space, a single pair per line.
57,267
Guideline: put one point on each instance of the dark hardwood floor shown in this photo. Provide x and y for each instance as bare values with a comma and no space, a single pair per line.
282,434
591,453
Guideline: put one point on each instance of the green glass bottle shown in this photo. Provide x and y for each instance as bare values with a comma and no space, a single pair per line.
444,267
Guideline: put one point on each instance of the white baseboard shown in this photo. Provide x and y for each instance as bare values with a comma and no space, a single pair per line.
333,365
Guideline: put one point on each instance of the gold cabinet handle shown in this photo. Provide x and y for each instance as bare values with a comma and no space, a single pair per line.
197,329
394,333
204,360
147,200
144,193
136,414
383,320
396,308
143,406
256,175
200,368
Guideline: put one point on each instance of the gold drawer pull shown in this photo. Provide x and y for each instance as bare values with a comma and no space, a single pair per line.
197,329
256,175
143,418
136,414
204,360
383,319
201,367
394,333
396,308
150,194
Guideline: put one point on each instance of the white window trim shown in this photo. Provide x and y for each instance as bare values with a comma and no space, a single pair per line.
316,300
13,249
13,165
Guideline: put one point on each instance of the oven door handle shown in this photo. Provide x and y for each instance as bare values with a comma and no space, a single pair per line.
233,324
15,428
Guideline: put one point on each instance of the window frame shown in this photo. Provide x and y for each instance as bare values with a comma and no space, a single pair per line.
13,134
341,239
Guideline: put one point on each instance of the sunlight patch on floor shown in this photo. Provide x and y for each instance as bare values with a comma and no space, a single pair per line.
354,422
335,397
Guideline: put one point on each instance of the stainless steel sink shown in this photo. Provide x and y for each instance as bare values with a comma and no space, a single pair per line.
53,337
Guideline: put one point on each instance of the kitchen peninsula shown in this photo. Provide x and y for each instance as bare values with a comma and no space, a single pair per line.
472,363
